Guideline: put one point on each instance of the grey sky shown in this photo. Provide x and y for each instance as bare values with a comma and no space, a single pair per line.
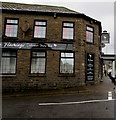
101,11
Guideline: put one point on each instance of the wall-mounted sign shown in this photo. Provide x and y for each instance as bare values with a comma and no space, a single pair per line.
22,45
89,67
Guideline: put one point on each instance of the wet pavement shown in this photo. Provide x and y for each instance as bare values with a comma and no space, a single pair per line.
101,87
82,103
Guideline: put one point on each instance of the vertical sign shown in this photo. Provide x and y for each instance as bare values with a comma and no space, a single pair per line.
90,67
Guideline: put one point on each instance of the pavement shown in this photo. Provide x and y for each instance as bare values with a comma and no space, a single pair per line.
102,87
90,101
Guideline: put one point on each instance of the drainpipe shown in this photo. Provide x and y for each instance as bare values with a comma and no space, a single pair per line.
113,68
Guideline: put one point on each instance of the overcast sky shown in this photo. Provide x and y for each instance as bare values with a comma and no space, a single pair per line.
101,11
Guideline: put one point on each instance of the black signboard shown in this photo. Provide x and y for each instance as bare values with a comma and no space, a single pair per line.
47,46
90,67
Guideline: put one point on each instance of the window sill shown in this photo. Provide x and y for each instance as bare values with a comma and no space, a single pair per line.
39,39
37,75
7,75
9,38
66,75
90,43
68,40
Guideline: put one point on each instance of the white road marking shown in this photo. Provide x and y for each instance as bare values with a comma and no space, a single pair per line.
109,95
81,102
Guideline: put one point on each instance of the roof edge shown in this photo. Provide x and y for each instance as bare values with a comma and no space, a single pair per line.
72,12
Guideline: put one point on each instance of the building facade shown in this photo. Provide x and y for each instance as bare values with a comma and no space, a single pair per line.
48,47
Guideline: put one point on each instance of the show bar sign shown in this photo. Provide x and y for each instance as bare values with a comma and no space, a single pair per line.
90,67
22,45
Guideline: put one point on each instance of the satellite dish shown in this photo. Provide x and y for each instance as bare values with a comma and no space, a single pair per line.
25,26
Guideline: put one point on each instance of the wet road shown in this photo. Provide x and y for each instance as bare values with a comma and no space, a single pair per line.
31,107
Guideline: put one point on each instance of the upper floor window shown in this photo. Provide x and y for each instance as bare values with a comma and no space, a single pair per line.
89,34
68,31
38,62
11,27
40,29
8,62
67,62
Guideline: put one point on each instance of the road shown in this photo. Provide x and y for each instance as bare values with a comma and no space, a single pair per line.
76,105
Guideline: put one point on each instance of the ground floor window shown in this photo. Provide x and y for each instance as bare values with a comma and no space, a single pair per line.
67,62
38,62
8,62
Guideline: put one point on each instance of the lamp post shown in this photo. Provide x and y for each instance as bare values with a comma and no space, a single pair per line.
104,41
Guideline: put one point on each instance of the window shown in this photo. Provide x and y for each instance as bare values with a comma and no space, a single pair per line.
66,62
40,29
89,34
8,62
11,28
68,30
38,62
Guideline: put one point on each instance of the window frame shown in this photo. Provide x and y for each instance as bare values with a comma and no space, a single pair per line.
5,24
36,20
9,57
90,32
64,39
67,58
38,57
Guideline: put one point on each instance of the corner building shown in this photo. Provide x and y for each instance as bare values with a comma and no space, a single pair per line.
48,47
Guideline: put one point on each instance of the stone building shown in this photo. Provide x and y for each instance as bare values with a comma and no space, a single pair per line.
48,47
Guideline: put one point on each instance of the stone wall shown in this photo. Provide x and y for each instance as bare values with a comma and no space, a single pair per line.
52,79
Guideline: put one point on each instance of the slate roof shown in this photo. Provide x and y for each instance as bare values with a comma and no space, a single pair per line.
7,6
36,8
